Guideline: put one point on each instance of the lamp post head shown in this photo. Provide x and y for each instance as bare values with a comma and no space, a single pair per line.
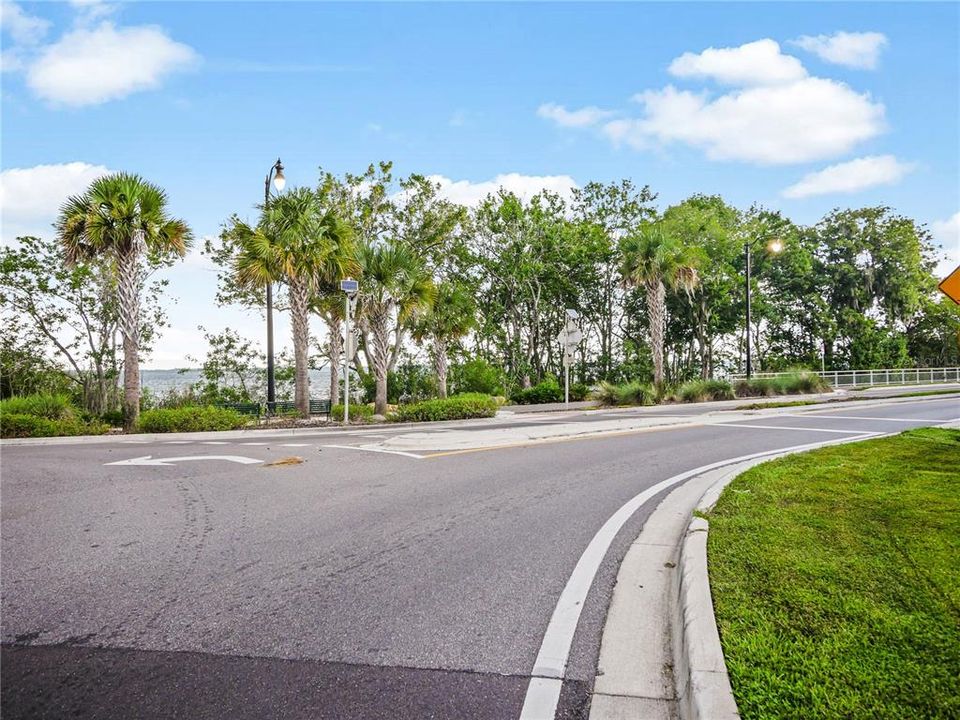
775,246
279,181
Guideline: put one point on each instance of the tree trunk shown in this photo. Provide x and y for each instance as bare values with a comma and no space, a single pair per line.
380,329
334,349
657,316
300,319
440,365
128,301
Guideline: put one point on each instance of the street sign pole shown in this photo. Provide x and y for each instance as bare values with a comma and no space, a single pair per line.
350,288
346,361
569,338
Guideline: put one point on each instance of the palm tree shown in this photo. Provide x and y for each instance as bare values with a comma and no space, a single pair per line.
652,258
302,244
452,316
121,218
395,284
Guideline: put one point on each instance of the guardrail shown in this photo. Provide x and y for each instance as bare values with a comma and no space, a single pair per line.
885,376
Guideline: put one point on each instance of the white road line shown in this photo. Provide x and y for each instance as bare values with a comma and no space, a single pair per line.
178,442
295,445
786,427
543,691
254,443
374,450
856,417
214,442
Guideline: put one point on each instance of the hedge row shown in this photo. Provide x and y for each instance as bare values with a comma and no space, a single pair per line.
190,419
456,407
19,425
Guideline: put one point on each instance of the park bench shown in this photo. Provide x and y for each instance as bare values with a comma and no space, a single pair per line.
251,409
288,407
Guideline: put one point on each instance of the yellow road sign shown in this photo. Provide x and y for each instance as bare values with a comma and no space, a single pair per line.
951,286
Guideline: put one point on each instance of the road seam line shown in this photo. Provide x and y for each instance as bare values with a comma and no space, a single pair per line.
375,450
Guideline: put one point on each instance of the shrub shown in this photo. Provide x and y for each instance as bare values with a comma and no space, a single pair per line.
52,407
801,382
14,425
113,418
632,393
757,387
704,390
579,391
190,419
546,391
358,411
456,407
794,383
477,376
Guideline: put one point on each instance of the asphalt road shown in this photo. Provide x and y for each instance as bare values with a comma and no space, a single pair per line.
356,584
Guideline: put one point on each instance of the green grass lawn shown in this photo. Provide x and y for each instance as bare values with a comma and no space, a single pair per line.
836,581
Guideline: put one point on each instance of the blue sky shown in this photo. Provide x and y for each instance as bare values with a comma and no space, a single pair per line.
202,97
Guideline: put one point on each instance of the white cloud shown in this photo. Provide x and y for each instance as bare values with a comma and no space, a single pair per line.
90,66
857,50
756,63
776,114
947,233
23,29
524,186
803,121
584,117
850,177
31,197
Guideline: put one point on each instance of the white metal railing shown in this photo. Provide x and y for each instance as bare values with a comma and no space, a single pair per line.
885,376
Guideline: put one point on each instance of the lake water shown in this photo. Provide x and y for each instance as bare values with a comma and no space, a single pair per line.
160,382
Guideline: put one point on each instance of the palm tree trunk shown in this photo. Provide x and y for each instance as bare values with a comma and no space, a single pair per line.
657,316
300,319
380,329
334,348
440,365
128,301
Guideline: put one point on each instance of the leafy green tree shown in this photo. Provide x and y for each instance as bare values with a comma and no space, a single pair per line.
123,219
654,259
231,371
451,317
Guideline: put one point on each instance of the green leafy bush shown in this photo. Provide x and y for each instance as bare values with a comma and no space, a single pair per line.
113,417
477,376
456,407
190,419
631,393
802,382
546,391
14,425
757,387
358,411
704,390
579,391
52,407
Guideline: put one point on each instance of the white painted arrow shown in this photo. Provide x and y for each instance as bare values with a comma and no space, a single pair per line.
146,460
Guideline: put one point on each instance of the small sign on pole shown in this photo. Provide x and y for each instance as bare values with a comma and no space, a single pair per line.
570,337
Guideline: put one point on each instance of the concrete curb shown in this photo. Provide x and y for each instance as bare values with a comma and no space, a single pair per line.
660,653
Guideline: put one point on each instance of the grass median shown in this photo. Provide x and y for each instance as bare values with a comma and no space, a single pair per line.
836,581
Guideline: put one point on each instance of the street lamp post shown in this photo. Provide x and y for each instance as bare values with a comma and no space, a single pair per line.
279,181
350,288
775,246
